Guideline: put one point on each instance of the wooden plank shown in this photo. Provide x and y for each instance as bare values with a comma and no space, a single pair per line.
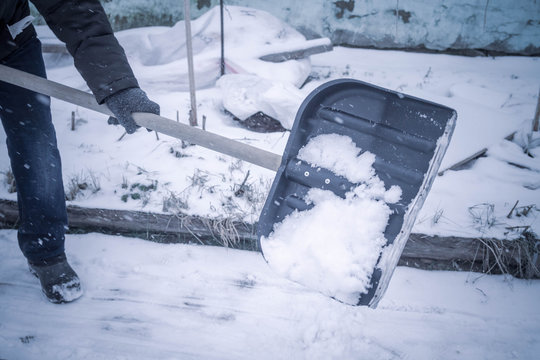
191,72
223,232
151,226
468,159
179,228
421,251
537,114
445,248
297,53
472,157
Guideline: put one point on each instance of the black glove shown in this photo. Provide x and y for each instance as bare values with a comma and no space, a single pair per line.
128,101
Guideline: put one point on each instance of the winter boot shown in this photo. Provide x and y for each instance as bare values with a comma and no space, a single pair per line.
59,282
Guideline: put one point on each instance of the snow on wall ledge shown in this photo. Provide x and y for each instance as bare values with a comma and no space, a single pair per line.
494,25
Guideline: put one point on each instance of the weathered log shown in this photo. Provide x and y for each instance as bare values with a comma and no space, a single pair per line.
421,251
441,248
164,228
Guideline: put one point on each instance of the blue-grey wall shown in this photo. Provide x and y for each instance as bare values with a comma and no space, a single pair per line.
495,25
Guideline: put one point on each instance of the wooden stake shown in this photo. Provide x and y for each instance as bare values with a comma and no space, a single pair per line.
240,191
222,62
73,121
537,114
189,46
511,211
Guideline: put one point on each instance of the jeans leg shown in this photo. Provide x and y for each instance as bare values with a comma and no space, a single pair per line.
35,160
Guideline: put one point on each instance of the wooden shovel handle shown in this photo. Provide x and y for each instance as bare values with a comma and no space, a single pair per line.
158,123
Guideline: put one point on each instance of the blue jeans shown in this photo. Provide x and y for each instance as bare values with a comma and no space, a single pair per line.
35,160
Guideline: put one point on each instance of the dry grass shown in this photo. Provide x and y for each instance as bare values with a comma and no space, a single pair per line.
174,203
483,216
519,258
225,232
81,182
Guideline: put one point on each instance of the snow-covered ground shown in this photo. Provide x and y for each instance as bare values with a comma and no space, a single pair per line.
153,301
146,300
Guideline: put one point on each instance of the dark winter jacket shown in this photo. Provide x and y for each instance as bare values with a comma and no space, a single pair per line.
84,27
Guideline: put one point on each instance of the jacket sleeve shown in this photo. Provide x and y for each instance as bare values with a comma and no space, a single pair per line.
83,26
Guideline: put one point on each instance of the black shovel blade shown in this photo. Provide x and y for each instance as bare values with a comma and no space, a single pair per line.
407,135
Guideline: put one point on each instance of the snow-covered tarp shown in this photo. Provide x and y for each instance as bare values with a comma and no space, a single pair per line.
251,34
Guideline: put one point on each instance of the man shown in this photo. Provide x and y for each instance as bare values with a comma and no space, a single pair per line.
31,139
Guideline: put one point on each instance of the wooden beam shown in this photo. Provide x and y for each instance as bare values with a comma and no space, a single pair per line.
472,157
296,54
537,114
421,251
164,228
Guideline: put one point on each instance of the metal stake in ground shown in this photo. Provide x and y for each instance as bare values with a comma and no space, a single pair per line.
222,62
187,20
537,114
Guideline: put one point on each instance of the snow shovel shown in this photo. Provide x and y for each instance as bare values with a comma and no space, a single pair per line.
408,136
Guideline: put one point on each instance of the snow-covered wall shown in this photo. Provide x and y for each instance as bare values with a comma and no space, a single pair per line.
495,25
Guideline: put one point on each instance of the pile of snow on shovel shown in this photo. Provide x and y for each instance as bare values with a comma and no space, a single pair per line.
334,246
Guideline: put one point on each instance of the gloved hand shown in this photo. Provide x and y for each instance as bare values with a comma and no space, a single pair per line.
128,101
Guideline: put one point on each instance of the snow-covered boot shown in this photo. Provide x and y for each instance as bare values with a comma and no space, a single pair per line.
59,282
